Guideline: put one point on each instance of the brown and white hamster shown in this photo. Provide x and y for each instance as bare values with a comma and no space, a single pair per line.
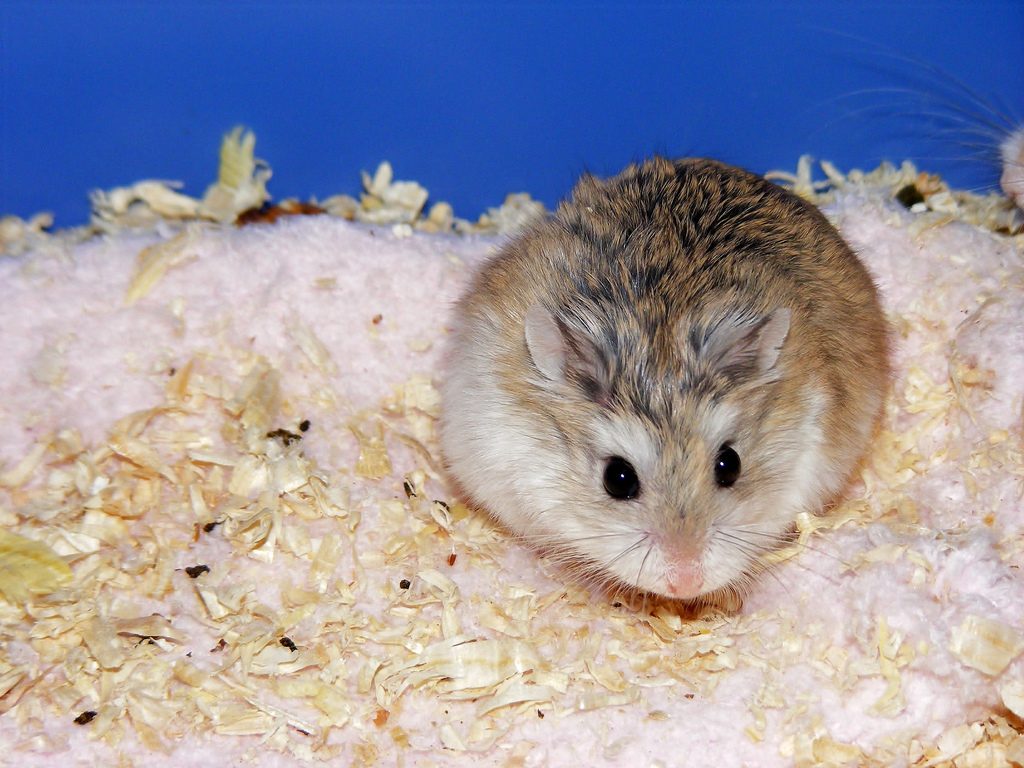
657,379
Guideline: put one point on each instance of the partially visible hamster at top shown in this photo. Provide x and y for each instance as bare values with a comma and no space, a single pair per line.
655,381
1011,151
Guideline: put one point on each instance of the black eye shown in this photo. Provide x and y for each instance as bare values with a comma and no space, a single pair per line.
620,480
727,466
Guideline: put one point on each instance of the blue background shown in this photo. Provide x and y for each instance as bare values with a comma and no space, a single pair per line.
475,100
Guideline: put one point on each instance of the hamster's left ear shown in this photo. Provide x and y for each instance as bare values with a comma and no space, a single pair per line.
742,345
565,354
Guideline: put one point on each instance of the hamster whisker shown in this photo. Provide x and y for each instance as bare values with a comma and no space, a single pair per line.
934,79
579,569
589,574
789,539
971,124
560,553
760,568
772,538
616,535
566,558
643,563
804,566
957,118
629,595
983,139
628,550
754,551
581,564
745,546
733,593
758,529
975,154
942,78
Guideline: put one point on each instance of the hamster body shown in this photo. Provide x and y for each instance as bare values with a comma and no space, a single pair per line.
657,379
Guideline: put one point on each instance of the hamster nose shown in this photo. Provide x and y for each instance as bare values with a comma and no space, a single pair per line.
684,577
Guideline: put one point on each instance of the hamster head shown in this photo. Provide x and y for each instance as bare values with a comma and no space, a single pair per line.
679,471
646,385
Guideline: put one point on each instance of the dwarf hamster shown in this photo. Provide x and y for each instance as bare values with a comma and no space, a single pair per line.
657,379
1011,151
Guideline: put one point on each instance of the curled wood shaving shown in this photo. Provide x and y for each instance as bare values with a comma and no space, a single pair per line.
241,178
155,260
986,645
28,568
373,462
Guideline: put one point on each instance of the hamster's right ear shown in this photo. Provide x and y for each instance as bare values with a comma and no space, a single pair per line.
563,354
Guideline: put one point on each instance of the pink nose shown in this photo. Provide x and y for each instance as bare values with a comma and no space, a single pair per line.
684,578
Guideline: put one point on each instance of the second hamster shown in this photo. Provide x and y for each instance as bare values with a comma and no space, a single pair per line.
1011,151
657,379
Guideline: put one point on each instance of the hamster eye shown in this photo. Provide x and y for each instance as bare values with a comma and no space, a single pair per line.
727,466
620,480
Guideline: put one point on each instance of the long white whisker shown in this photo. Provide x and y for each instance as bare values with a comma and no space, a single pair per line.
643,563
937,78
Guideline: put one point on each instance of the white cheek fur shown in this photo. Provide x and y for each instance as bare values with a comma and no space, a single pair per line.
496,455
524,475
805,477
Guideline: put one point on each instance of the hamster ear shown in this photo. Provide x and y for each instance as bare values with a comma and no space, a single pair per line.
742,345
563,354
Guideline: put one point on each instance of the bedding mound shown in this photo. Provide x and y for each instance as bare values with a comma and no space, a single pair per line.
227,535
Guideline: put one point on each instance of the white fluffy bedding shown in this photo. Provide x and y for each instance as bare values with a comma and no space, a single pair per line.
153,394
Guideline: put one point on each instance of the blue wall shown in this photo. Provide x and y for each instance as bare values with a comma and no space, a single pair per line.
478,99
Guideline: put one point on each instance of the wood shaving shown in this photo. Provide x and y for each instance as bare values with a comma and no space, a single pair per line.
28,568
986,645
